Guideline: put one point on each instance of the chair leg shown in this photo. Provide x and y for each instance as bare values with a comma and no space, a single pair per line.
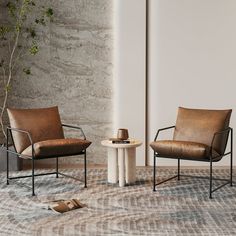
7,168
231,170
85,170
178,169
7,161
56,167
210,189
154,172
33,193
231,158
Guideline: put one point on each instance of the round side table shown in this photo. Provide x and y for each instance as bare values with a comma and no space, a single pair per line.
122,160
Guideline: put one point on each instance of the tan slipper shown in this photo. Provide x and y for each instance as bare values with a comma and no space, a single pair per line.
66,205
78,203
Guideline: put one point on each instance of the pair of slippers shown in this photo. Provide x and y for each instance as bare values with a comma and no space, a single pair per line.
62,206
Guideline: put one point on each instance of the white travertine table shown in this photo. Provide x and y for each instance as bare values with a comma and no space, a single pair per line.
122,160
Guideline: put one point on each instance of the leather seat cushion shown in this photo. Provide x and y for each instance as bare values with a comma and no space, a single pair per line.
57,147
182,149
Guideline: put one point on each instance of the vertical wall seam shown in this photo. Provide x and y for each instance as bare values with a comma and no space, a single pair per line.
146,83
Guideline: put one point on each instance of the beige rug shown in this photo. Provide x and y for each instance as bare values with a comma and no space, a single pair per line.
177,208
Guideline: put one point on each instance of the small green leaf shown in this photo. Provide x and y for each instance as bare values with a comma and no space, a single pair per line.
31,32
1,63
4,30
18,27
49,12
27,2
7,88
11,8
27,71
42,21
34,49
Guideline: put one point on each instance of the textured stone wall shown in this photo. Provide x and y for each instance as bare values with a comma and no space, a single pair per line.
74,70
3,53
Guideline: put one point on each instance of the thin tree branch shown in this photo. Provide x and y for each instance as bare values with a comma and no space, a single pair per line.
18,24
8,83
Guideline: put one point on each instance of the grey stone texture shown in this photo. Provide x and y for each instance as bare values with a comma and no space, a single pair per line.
74,71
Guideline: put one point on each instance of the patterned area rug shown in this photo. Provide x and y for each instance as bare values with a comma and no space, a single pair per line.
177,208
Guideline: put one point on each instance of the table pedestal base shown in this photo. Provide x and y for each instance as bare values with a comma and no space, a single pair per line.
126,160
112,165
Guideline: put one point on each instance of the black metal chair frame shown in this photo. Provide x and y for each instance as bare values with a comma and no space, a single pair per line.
228,181
33,158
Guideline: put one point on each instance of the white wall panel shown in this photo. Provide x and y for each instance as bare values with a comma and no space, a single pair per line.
192,60
129,71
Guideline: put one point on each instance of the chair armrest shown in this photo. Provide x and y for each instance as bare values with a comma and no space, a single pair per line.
75,127
162,129
229,129
23,132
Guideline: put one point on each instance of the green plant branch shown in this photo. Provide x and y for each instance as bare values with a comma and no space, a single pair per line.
8,83
18,11
7,86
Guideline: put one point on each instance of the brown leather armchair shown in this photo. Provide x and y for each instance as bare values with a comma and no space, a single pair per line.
38,134
199,135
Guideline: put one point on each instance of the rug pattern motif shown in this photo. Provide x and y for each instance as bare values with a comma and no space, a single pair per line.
177,208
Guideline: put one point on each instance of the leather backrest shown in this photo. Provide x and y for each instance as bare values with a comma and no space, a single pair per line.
199,125
43,124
